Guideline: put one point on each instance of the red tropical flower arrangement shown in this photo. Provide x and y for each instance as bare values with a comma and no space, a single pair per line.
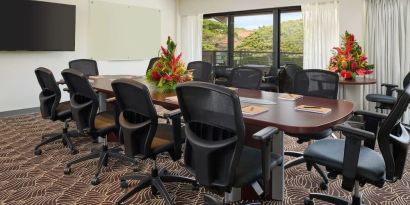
168,70
349,60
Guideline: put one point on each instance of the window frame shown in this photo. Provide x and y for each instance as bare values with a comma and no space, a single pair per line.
276,30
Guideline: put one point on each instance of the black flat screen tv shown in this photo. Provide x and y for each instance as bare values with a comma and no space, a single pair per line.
36,26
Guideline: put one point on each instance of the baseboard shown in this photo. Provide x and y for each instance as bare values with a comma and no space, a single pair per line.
19,112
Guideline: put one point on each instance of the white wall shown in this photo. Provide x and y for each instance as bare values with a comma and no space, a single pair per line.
18,86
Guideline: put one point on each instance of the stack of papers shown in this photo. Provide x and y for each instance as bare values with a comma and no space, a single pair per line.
172,99
314,109
288,96
253,110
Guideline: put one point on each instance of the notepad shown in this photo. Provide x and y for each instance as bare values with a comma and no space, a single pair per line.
256,101
233,88
288,96
172,99
93,77
314,109
253,110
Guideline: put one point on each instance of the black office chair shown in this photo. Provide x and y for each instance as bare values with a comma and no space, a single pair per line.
84,105
51,108
151,63
246,77
87,66
387,101
145,138
215,133
315,83
271,80
203,71
287,78
360,164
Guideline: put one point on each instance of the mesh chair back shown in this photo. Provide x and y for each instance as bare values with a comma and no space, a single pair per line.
406,80
86,66
287,78
84,101
393,138
151,63
317,83
138,118
203,71
246,77
50,93
214,131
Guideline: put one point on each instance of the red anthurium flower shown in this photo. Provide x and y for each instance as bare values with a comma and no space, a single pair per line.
346,74
167,77
353,65
368,72
362,58
361,71
155,75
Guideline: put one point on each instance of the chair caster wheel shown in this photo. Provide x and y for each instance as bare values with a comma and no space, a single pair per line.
95,181
163,172
154,191
67,170
37,152
195,186
332,175
73,151
64,142
308,201
124,184
323,186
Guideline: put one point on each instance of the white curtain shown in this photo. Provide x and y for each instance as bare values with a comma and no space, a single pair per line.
387,42
191,38
321,33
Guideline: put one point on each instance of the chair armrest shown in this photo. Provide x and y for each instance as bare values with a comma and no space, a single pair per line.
398,90
172,114
359,134
265,134
353,143
371,114
389,85
111,100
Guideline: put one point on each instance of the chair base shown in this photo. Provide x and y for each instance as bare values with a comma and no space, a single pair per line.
300,160
356,200
155,181
66,140
104,154
210,200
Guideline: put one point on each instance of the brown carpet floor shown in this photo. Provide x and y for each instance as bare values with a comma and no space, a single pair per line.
29,179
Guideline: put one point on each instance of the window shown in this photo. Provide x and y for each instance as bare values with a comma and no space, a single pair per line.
252,38
291,38
215,40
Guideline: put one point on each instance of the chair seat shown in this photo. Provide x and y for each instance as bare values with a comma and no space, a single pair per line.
314,136
104,122
163,139
269,87
63,110
384,99
329,153
250,166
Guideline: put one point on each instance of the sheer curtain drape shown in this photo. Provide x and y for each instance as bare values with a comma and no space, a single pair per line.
387,42
191,38
321,33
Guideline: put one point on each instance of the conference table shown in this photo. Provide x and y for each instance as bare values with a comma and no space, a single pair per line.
281,114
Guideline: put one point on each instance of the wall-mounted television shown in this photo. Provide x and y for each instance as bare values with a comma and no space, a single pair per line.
36,26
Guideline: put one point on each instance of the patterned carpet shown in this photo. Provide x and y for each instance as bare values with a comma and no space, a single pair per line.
29,179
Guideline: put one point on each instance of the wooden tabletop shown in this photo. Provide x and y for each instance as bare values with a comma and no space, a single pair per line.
281,115
358,81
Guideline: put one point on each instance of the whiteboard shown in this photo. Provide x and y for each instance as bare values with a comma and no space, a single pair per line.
123,32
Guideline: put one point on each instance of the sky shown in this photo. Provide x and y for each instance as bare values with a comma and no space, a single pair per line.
255,21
